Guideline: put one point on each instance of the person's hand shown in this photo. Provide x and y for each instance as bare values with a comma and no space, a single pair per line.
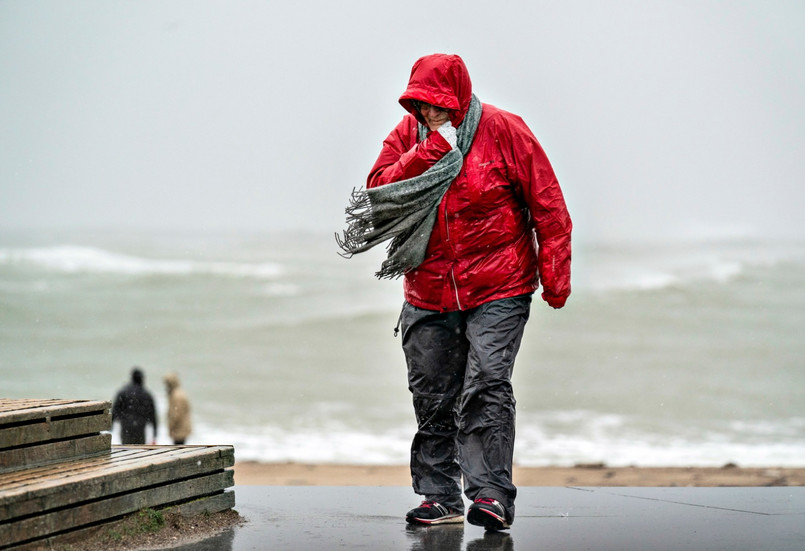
448,132
554,301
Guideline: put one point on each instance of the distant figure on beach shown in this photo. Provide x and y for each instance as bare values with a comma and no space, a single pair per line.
476,221
134,409
179,426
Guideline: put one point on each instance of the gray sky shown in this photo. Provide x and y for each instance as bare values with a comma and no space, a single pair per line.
680,118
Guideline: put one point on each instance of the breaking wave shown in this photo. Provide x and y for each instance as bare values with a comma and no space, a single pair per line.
78,259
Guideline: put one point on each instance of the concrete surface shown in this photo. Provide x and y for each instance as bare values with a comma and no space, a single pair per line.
617,519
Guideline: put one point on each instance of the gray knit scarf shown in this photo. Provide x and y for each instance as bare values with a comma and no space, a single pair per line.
405,211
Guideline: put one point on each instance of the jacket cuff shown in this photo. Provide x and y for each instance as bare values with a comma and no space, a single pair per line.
554,301
439,142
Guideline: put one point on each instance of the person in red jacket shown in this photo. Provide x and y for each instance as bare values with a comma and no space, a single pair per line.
499,230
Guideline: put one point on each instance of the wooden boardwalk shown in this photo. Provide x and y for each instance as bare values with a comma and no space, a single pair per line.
59,474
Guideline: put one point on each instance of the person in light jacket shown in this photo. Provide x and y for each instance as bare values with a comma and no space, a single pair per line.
179,425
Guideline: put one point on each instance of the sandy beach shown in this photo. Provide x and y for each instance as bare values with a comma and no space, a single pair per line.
300,474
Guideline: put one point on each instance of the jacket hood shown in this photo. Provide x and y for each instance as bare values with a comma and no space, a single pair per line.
441,80
171,381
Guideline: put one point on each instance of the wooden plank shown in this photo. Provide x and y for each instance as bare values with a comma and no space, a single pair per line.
10,479
28,410
107,474
48,452
41,526
19,407
46,429
112,478
53,471
68,540
209,504
117,457
11,404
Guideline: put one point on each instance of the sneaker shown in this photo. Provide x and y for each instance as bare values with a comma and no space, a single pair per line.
430,512
488,513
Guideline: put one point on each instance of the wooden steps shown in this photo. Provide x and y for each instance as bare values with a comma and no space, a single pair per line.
38,431
59,474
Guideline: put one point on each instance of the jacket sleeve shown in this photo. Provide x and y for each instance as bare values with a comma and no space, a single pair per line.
152,414
402,157
529,167
116,406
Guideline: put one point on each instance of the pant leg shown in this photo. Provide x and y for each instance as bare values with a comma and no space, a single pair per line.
435,351
132,433
486,415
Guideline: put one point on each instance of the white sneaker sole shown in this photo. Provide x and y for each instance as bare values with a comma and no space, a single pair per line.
486,518
450,519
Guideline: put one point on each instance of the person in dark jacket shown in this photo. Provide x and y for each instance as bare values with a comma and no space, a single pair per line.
499,231
134,409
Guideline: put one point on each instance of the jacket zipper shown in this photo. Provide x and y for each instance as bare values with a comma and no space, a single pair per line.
452,271
455,287
446,223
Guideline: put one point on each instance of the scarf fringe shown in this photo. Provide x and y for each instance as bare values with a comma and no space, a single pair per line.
363,230
390,270
353,239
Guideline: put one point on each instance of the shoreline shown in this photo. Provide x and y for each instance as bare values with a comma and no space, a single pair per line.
325,474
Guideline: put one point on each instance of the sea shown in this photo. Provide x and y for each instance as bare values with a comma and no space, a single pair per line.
675,353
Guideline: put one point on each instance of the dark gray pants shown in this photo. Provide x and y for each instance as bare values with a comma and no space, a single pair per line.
459,372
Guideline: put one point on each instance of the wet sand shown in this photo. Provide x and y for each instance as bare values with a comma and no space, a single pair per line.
299,474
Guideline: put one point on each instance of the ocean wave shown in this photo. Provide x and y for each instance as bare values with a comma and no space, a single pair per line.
645,268
647,279
567,438
78,259
607,439
281,290
333,444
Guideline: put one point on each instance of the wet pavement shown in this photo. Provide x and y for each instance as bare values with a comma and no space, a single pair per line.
552,518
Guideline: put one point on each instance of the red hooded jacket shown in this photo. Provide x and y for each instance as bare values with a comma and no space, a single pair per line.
483,244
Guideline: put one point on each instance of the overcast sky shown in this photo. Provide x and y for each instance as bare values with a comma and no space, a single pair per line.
675,118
